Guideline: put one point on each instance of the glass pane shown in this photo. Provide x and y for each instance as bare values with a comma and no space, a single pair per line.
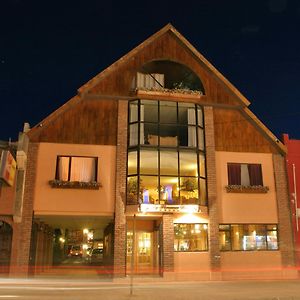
148,162
132,163
132,190
224,227
149,111
183,136
168,112
259,233
63,168
190,237
186,114
237,234
224,240
83,169
133,134
133,114
189,193
200,139
200,116
149,189
203,194
169,163
272,227
149,134
272,240
169,190
168,135
188,163
202,165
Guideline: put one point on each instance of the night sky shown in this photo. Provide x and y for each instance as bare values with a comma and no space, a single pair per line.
48,49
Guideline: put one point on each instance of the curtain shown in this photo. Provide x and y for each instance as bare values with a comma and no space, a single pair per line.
83,169
142,133
63,168
245,178
255,174
191,129
234,174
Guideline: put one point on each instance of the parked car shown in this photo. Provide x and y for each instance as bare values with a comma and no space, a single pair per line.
96,256
76,251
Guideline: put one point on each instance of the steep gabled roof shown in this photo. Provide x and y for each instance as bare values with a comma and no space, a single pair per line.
168,28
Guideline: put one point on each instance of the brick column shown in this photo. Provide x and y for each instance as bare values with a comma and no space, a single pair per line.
120,204
284,213
22,238
168,242
213,208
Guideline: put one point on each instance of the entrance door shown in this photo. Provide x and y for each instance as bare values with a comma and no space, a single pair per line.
145,254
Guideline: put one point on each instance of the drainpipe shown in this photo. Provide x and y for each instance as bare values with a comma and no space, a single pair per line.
295,197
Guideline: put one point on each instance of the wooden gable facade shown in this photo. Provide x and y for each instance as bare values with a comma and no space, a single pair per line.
91,116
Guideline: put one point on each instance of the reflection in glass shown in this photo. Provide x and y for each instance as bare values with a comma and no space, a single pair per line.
133,134
132,190
189,193
200,139
188,163
168,135
224,240
148,189
148,162
168,112
149,111
133,112
190,237
132,162
169,190
202,164
168,163
203,195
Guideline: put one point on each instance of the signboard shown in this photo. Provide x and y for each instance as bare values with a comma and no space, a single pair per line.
8,167
169,208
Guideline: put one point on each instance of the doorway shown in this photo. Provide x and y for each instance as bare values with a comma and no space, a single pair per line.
146,249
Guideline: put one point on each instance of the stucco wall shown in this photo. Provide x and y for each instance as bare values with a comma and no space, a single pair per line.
245,207
48,201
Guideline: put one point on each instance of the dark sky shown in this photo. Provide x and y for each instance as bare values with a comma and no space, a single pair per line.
48,49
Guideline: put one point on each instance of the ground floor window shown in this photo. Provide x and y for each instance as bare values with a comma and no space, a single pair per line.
247,237
190,237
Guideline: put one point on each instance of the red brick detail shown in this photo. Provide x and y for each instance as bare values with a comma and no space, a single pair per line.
168,242
22,233
284,211
120,204
213,234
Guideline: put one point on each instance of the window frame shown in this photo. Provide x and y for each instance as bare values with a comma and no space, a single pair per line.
70,166
266,231
206,242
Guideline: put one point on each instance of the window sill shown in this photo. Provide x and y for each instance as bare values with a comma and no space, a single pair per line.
74,185
253,189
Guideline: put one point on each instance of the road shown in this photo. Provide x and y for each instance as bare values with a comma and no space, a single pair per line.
91,289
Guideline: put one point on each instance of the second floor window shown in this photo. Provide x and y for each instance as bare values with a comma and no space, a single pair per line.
76,168
244,174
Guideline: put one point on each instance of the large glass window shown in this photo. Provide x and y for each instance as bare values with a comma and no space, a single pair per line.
166,142
247,237
190,237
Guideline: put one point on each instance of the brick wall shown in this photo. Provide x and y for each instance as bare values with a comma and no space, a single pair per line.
213,234
120,219
284,213
22,233
168,242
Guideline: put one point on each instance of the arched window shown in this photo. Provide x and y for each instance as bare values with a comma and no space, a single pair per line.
166,74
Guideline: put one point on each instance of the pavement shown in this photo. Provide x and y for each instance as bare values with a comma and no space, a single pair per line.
147,288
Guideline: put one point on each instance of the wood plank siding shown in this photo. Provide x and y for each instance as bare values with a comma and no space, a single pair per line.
233,132
88,122
118,81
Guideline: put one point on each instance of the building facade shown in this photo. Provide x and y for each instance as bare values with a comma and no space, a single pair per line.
160,160
293,170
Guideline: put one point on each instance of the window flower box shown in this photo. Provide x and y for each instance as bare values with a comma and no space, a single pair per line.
254,189
93,185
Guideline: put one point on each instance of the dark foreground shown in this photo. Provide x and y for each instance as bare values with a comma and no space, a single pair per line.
147,289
